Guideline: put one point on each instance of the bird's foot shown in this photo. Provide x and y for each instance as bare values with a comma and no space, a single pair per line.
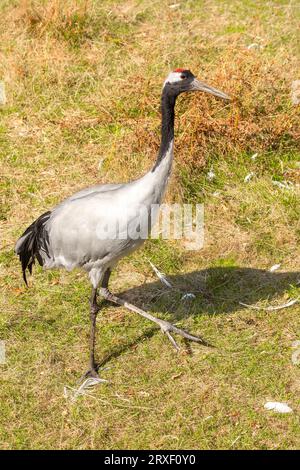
91,373
167,328
91,377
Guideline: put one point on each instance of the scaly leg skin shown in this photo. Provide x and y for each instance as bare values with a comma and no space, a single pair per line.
94,309
165,326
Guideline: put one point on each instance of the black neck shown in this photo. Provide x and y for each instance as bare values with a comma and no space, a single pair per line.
167,124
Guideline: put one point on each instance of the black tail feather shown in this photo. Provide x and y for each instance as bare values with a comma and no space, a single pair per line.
34,240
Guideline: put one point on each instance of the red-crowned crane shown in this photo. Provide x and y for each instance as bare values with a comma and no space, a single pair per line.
71,234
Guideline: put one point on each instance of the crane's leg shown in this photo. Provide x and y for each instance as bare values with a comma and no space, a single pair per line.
165,326
94,309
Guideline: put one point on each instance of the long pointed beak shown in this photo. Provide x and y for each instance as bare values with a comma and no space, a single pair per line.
201,86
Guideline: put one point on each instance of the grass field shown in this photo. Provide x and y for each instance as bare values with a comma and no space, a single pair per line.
83,82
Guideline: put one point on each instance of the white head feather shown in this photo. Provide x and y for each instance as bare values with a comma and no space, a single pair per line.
173,77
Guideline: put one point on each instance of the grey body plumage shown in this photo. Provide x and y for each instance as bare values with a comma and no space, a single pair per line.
68,236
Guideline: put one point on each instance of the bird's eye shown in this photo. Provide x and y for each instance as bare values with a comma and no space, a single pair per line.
182,76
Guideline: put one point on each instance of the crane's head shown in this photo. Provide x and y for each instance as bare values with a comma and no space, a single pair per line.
182,80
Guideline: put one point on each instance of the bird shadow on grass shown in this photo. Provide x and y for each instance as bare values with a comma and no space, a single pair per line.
217,290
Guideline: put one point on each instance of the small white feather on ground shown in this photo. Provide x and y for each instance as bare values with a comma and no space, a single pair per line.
188,296
274,268
83,389
248,177
101,161
211,175
161,276
296,357
296,354
271,308
277,406
283,184
254,45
